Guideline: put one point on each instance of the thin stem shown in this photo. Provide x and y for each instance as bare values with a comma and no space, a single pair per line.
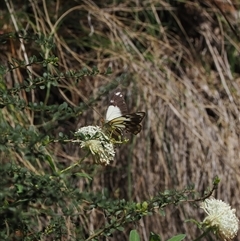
203,234
74,165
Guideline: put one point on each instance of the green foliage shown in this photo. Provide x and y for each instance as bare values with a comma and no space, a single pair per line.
177,237
25,197
37,198
154,237
134,236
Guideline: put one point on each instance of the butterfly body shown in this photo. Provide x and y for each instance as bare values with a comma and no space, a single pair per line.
117,118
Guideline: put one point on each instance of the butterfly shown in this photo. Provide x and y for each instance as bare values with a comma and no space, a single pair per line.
117,118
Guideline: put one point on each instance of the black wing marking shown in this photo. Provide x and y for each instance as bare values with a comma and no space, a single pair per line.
118,100
132,122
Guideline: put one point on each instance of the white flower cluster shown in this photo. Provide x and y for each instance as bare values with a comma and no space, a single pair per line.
99,144
221,217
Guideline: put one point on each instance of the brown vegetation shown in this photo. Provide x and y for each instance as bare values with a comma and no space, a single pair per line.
178,62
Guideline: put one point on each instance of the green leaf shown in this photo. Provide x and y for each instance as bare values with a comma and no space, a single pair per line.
134,236
120,229
154,237
50,162
63,106
46,140
109,70
178,237
19,188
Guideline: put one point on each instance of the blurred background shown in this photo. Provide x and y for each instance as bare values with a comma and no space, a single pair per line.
178,61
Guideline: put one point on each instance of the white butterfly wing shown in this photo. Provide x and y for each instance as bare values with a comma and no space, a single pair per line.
112,113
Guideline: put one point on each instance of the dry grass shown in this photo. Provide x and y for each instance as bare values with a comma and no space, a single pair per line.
182,70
